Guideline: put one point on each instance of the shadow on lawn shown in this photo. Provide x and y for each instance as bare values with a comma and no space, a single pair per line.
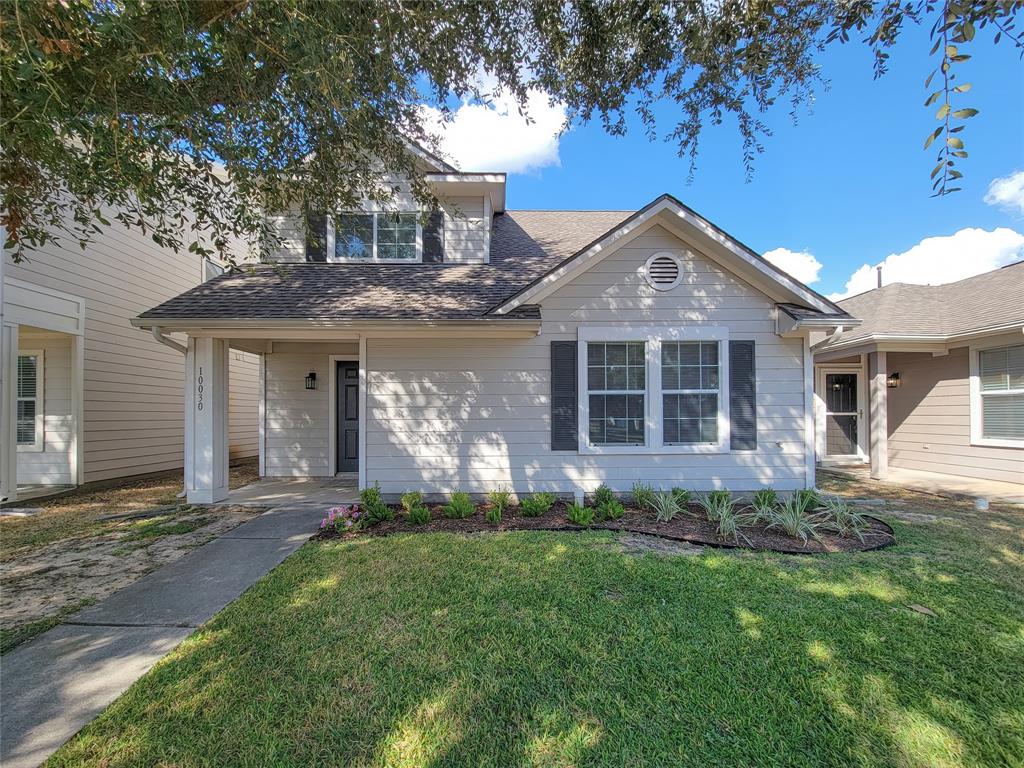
436,650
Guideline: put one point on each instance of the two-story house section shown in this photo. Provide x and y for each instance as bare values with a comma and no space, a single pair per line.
477,346
86,397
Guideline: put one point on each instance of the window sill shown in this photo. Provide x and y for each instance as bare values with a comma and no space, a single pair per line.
30,449
654,450
994,442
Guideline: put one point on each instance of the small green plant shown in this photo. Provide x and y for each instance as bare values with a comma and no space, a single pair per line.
610,510
764,502
419,515
603,495
580,515
682,497
729,524
499,500
415,510
643,496
665,506
795,519
460,506
716,504
809,498
372,503
411,499
843,519
537,504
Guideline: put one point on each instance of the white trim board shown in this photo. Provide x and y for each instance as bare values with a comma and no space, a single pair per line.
332,410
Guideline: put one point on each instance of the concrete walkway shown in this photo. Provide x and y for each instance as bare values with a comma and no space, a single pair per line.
58,682
934,482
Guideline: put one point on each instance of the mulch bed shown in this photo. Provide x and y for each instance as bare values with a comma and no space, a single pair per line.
693,527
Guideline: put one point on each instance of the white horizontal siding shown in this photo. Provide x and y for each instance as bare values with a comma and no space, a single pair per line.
243,405
52,465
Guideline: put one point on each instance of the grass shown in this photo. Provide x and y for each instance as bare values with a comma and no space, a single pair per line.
558,649
12,637
75,515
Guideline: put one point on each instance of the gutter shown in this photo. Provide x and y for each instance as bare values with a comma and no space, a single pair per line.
876,338
147,323
158,334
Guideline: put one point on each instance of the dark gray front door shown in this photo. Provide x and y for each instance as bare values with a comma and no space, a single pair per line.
348,417
841,414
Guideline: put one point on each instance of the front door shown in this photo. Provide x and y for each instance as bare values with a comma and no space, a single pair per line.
842,415
348,417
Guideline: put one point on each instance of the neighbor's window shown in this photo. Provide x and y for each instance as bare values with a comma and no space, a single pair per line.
29,421
381,236
690,392
1001,373
616,388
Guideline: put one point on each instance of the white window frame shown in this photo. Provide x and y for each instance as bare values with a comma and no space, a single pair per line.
652,336
976,410
332,258
37,446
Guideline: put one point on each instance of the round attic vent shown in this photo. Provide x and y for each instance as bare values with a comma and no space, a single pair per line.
663,271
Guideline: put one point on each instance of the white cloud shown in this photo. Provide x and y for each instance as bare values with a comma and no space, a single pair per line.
800,264
495,137
937,260
1007,192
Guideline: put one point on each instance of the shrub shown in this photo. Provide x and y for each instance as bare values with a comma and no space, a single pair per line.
347,518
580,515
373,505
716,504
643,496
682,497
419,515
603,495
537,504
843,519
493,514
415,510
459,506
610,510
795,519
665,506
499,499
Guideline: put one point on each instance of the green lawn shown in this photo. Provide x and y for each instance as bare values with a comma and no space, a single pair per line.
537,649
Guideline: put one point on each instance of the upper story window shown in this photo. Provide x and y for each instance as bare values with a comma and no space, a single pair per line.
1001,385
370,236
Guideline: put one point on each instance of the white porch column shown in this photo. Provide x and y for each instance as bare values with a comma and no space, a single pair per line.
8,411
206,420
878,419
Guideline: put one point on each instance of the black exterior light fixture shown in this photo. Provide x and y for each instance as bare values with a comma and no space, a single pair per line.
893,380
311,380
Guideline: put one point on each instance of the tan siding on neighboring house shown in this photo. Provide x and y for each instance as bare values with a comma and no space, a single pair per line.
930,420
474,414
133,390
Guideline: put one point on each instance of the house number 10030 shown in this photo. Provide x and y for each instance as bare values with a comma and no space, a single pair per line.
199,390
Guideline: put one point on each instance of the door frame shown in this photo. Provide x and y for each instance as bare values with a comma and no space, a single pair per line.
332,455
863,423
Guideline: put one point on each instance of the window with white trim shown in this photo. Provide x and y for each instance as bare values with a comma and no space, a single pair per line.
616,392
29,426
1001,385
690,392
380,236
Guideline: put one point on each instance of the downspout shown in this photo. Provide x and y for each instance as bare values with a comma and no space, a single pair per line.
159,336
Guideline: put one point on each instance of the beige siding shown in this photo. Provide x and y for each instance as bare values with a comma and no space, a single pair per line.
244,404
132,413
52,465
930,420
475,415
298,419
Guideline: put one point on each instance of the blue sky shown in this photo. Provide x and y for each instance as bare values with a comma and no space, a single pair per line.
848,184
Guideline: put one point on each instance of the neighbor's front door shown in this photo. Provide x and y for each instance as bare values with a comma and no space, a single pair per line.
842,415
348,417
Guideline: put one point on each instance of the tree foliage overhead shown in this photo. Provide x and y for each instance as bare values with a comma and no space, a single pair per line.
189,118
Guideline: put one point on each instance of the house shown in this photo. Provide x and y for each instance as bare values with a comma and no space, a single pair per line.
932,380
477,347
85,396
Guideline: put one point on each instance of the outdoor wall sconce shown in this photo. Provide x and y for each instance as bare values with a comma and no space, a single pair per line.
893,381
311,380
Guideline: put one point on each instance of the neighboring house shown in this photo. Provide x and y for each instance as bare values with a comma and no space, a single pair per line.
85,396
932,380
480,347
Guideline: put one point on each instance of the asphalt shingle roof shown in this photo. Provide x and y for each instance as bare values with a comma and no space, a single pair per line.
524,245
984,301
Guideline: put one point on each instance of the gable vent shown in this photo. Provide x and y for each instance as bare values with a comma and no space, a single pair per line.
663,271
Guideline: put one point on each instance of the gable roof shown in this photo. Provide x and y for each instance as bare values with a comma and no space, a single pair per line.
987,302
524,245
672,213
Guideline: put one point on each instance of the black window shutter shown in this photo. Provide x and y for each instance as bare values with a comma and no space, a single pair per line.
316,237
433,239
563,396
742,396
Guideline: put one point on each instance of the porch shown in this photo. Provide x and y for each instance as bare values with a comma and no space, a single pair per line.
935,482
